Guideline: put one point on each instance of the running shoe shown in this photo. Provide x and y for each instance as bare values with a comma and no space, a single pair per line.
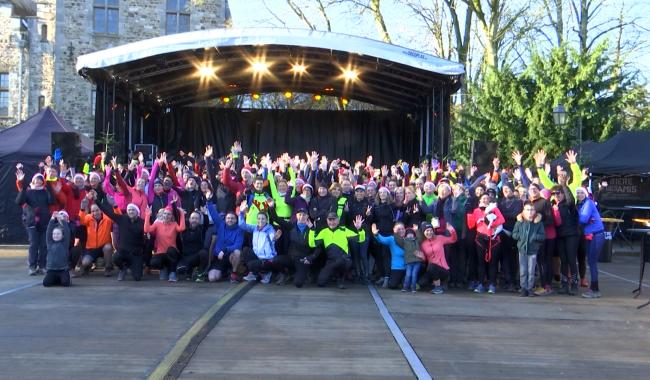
479,289
492,289
591,294
438,290
250,277
266,277
234,279
32,271
173,277
120,274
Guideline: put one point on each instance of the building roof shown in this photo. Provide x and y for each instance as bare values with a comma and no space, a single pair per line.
166,67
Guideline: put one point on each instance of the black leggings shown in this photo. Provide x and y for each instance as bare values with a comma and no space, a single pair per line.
483,249
433,273
568,248
396,278
166,260
545,262
191,260
335,266
56,277
133,260
257,265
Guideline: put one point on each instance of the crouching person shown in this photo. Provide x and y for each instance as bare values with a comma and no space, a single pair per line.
98,241
228,246
131,238
192,240
58,250
260,258
334,240
166,253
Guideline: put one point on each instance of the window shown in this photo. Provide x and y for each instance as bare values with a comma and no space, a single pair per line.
43,33
41,103
4,94
106,16
178,16
93,102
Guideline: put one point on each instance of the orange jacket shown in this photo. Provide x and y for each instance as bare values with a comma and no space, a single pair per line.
99,233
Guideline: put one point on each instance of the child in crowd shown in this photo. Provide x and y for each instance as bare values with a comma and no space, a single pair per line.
413,258
58,249
529,234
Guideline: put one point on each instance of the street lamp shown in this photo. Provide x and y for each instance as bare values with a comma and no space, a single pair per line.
559,115
560,118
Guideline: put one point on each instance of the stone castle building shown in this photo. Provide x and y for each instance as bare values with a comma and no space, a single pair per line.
40,41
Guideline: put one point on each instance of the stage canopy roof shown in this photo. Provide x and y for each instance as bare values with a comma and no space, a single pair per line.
186,68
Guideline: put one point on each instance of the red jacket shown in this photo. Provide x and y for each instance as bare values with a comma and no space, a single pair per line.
478,219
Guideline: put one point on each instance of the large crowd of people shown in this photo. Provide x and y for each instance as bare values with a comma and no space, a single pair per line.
425,226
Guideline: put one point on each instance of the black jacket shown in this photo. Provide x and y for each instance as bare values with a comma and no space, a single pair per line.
39,201
131,232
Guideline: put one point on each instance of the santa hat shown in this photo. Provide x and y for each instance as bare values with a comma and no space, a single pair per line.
79,175
308,186
95,175
134,207
38,175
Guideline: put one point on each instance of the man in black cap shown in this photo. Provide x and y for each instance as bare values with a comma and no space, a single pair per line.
335,241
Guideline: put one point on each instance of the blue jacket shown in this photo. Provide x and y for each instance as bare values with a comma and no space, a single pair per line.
228,238
396,252
589,217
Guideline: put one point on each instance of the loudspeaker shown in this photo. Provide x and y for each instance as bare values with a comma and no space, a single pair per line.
149,151
70,145
482,154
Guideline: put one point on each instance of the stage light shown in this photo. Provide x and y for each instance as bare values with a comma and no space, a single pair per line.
206,71
329,89
259,67
288,94
225,99
317,97
299,68
255,96
350,75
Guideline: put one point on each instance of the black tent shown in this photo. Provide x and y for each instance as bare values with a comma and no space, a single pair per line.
28,143
625,153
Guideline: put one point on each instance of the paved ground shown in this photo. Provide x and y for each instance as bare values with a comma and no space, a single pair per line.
103,329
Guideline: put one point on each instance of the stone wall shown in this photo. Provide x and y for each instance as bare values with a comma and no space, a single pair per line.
48,65
138,20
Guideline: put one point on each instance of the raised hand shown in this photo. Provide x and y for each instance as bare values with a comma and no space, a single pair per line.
114,162
208,151
375,230
20,175
369,160
516,156
572,157
358,222
473,170
540,157
277,235
368,210
243,206
496,162
384,170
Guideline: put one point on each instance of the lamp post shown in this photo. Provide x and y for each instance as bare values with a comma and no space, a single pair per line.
560,118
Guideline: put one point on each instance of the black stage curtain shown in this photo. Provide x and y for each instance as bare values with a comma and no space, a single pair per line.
351,135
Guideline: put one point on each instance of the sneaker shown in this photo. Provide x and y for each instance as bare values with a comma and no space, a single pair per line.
108,272
404,289
573,289
379,282
479,289
523,293
543,292
584,283
250,277
492,289
173,277
32,271
591,294
164,274
73,273
564,289
471,285
414,290
85,270
385,283
234,279
200,277
120,274
438,290
282,279
266,277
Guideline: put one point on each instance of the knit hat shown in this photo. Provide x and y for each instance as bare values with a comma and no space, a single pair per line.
372,184
95,175
38,175
360,187
158,181
63,212
134,207
299,182
308,186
